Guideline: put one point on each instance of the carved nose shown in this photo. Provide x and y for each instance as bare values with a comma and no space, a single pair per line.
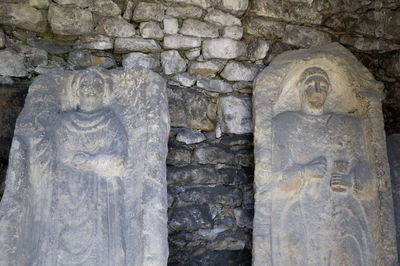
317,87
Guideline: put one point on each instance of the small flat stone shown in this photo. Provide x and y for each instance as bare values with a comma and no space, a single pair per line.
172,62
184,79
136,59
116,27
123,45
78,3
184,12
70,20
234,176
228,243
94,42
214,155
233,32
193,54
191,175
219,194
235,114
258,49
189,136
12,64
369,44
235,6
214,85
200,3
223,48
51,46
198,28
80,59
181,42
178,156
236,71
23,16
220,18
207,68
264,28
145,11
171,26
39,4
305,37
128,10
151,30
105,8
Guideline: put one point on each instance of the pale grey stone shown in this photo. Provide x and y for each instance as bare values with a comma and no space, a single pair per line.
181,42
369,44
184,12
105,8
258,49
116,27
207,68
184,79
128,10
234,113
314,159
200,3
264,28
223,48
2,39
221,18
214,85
305,36
171,26
151,30
150,61
197,28
236,71
12,64
172,62
78,3
123,45
145,11
193,54
23,16
235,6
233,32
33,56
39,4
94,42
189,136
61,166
70,20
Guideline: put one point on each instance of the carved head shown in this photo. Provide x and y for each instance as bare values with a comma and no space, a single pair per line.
91,87
315,86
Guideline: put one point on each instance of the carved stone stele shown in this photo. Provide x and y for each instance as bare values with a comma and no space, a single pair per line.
322,185
86,183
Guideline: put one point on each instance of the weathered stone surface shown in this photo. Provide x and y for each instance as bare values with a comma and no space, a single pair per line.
235,114
219,194
391,63
172,62
95,42
70,20
233,176
190,217
39,4
264,28
191,175
244,217
184,12
178,156
22,16
96,155
258,49
33,56
197,28
51,46
235,6
233,32
151,30
313,160
188,108
150,61
79,59
393,148
214,85
181,42
236,71
304,36
171,26
149,11
12,64
184,79
128,10
2,39
213,155
220,18
223,48
105,8
368,44
116,27
79,3
200,3
189,136
123,45
193,54
207,68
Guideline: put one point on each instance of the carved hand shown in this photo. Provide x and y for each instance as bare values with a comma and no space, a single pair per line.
316,168
340,182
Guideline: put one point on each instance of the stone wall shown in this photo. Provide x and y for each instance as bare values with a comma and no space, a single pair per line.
209,51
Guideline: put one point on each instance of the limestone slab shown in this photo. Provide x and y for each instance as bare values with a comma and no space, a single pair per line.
223,48
23,16
123,45
181,42
70,20
87,172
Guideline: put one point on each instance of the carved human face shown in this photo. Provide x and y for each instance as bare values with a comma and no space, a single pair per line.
90,92
315,84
